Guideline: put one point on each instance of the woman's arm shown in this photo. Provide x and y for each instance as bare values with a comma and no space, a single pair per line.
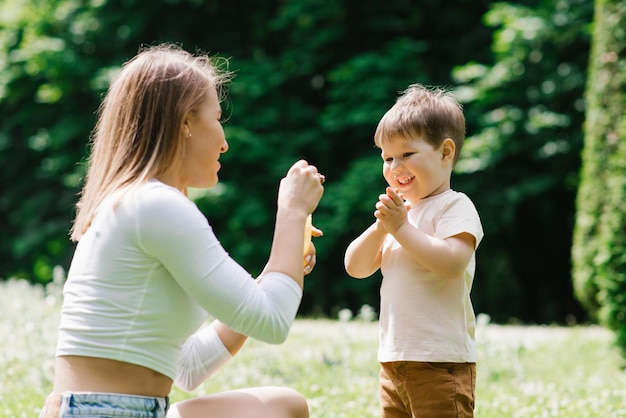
210,348
169,228
204,353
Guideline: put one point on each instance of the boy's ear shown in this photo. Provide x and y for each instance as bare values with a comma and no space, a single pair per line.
448,147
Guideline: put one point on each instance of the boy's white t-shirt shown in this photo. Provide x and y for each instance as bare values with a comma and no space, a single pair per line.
424,317
147,274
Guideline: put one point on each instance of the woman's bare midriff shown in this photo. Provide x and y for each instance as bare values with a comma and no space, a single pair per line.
91,374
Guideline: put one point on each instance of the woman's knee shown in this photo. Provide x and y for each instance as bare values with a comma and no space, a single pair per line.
274,402
296,404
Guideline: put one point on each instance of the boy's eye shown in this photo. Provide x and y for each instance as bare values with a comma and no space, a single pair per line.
407,154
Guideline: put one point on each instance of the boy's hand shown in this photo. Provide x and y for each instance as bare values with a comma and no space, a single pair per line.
391,210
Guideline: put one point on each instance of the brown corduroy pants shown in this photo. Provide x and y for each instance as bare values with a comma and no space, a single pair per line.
411,389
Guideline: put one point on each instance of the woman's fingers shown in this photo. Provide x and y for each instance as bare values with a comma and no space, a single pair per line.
310,259
316,232
301,187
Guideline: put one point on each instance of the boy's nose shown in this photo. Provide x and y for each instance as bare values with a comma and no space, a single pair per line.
396,166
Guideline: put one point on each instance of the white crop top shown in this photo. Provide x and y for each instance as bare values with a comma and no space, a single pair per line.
146,275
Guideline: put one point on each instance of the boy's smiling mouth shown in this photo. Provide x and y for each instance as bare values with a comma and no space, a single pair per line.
403,181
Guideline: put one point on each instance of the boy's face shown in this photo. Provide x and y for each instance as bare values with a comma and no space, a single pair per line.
415,168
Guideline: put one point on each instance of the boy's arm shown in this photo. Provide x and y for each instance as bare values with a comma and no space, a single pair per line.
363,255
445,257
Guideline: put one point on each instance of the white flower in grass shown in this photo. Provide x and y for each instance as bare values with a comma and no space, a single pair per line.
367,313
345,315
482,320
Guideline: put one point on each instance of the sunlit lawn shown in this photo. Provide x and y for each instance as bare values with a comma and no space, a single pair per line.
522,372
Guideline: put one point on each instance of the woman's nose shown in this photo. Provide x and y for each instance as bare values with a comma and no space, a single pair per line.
224,147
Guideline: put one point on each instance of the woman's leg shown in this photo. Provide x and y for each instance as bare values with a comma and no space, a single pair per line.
271,402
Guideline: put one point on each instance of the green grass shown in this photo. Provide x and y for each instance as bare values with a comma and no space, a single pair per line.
523,371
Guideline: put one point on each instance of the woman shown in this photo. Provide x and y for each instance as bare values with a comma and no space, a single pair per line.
148,270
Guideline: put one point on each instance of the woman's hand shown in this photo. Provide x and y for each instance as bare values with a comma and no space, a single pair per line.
301,188
310,258
298,195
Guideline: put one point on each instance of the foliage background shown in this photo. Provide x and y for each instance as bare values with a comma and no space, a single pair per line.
313,78
599,250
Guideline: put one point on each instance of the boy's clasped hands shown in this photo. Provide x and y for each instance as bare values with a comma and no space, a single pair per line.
391,210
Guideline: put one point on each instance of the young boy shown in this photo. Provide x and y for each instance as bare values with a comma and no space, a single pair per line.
423,240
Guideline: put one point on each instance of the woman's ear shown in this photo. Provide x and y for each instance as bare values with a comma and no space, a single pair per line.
448,148
186,130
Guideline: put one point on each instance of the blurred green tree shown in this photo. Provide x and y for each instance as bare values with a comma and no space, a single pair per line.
599,248
46,98
521,159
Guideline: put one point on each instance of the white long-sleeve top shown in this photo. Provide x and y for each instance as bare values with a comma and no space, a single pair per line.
146,275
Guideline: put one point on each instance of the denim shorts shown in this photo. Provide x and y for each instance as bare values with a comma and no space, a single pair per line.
98,405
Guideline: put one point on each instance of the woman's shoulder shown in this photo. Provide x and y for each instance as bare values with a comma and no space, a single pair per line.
154,200
154,190
158,212
154,185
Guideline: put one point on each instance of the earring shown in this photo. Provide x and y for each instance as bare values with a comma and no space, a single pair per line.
189,135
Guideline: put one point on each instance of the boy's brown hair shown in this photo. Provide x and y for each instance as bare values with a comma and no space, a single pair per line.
430,113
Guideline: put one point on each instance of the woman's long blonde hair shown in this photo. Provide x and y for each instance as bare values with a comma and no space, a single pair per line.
139,131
